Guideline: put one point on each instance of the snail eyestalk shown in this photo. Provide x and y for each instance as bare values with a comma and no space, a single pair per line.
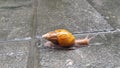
84,41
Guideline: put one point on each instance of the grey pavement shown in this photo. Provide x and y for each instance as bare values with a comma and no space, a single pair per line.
14,54
22,25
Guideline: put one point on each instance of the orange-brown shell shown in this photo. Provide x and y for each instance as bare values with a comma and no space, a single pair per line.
65,38
61,37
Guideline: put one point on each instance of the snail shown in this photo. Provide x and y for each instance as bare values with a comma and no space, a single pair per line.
62,38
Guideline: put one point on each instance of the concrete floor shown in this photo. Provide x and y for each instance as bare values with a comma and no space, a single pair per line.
21,45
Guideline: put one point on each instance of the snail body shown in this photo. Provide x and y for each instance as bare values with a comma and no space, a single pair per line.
64,38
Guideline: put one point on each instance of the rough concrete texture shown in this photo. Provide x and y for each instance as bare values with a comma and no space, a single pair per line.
74,15
81,17
109,9
15,17
14,54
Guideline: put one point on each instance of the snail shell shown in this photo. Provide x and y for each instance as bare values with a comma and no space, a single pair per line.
60,37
